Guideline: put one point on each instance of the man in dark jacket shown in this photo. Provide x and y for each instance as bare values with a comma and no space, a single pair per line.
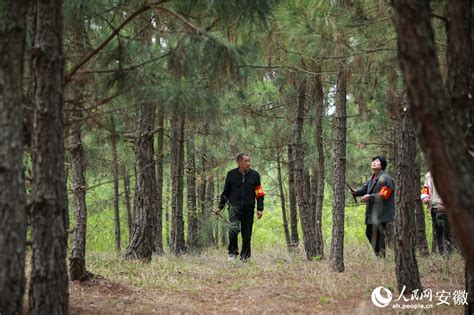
378,194
242,187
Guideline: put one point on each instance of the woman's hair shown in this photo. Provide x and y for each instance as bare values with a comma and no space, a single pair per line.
383,161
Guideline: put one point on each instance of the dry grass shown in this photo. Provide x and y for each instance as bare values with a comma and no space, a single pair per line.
273,282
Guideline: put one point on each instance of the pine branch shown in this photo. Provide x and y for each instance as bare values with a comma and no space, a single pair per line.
109,38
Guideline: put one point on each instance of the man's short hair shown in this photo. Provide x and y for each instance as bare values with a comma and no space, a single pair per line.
383,161
241,156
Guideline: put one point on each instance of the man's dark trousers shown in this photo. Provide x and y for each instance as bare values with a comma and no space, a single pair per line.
240,220
443,236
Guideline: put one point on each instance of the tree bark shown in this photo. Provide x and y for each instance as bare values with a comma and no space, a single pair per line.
283,203
459,57
309,195
49,292
77,260
126,188
191,196
405,258
177,172
13,199
115,165
142,240
202,187
469,284
318,188
438,130
292,198
309,238
339,126
209,206
158,244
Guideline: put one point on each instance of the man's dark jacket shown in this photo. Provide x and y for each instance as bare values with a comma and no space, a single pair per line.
379,209
239,190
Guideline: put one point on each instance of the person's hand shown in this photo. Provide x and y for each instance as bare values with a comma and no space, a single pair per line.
218,211
425,200
259,214
365,198
353,191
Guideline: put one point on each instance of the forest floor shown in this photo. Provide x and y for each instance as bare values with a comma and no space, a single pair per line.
272,282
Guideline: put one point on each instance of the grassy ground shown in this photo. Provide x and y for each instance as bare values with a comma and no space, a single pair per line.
273,282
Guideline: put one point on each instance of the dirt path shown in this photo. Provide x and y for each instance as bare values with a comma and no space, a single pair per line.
273,282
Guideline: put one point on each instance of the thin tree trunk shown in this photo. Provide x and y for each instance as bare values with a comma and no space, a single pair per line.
283,203
209,207
49,292
469,284
292,197
13,200
77,264
167,213
318,188
309,238
459,55
142,240
160,137
420,239
177,170
339,121
115,164
191,197
405,258
202,180
438,129
308,194
126,188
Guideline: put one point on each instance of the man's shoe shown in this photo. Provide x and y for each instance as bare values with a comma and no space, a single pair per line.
232,257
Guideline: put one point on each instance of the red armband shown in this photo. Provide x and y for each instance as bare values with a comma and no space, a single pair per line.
259,192
385,192
425,191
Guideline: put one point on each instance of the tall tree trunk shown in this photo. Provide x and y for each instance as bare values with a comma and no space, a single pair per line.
309,237
405,258
460,82
167,212
126,189
420,239
339,121
308,194
469,284
12,200
77,264
141,244
49,292
202,187
438,129
191,197
209,207
283,203
158,245
318,188
115,165
177,172
459,55
224,231
292,198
